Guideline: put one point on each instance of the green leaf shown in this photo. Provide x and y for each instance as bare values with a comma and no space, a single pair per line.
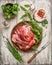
23,8
3,8
15,9
30,17
23,16
26,12
14,52
35,25
8,9
36,39
15,5
27,5
14,12
7,15
34,47
44,22
36,29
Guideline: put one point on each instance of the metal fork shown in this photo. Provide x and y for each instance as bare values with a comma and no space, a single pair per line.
37,52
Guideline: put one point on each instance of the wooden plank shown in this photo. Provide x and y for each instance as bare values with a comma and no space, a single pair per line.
7,56
42,58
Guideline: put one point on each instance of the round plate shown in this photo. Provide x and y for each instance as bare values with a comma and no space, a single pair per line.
14,28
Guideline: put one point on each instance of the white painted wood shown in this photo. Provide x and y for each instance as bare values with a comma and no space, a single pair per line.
43,58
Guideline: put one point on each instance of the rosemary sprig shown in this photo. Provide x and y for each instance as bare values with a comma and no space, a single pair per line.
14,52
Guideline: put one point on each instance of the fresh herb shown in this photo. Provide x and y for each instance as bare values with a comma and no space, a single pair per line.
10,10
14,52
29,16
7,16
36,29
23,8
27,5
3,8
44,22
34,47
26,13
34,25
36,39
15,8
23,16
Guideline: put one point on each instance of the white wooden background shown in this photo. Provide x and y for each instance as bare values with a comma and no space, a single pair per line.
6,57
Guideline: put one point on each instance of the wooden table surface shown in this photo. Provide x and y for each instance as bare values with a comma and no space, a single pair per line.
6,57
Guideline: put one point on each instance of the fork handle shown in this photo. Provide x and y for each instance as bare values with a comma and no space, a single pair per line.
34,56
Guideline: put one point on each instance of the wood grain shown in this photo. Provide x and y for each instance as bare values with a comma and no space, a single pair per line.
6,57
